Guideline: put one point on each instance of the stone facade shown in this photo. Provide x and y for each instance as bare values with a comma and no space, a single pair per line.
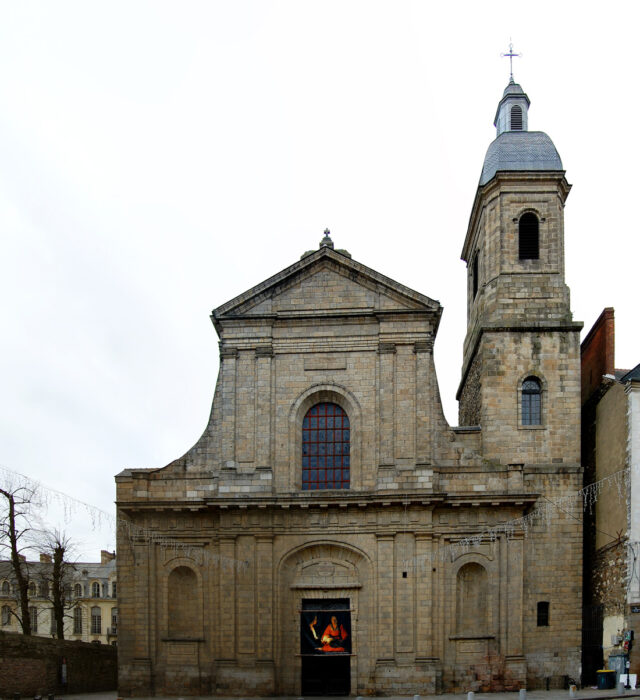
422,550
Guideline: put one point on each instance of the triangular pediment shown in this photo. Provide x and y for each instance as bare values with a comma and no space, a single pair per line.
326,282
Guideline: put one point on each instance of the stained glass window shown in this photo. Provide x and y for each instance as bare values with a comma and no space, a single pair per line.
326,448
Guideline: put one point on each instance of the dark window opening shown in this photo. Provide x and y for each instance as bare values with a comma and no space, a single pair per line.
528,237
326,460
516,118
531,401
543,614
474,275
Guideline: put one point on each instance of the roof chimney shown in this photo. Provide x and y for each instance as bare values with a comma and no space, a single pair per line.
106,556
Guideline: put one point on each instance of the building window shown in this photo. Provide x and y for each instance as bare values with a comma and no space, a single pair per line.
531,401
474,274
528,237
95,590
114,590
6,588
325,448
543,614
6,615
32,590
77,590
114,620
516,118
33,616
96,620
77,620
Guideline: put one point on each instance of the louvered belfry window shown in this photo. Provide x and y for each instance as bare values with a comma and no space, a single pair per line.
531,402
516,118
326,440
528,237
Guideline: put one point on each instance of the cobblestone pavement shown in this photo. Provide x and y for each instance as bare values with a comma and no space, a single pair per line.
584,694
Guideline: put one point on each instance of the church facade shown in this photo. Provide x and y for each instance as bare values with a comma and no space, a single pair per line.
330,533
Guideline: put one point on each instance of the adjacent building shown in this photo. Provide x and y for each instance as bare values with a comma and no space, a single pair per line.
90,594
330,532
611,455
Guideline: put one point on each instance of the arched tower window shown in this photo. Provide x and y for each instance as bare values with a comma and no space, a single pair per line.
516,118
326,439
528,237
531,401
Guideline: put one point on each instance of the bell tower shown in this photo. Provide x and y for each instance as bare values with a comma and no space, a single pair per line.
521,366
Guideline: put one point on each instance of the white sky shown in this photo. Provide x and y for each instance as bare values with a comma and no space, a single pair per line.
159,158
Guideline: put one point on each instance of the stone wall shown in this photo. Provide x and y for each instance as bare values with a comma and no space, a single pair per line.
33,666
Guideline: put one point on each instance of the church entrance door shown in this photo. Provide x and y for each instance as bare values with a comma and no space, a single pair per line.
325,646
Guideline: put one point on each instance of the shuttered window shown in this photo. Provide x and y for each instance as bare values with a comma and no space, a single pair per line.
516,118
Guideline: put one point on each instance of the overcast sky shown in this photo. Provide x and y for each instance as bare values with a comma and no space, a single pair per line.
159,158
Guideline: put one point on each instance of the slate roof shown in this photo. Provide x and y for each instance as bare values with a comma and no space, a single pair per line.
632,375
520,150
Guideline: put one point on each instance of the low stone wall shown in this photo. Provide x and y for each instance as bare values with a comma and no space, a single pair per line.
33,666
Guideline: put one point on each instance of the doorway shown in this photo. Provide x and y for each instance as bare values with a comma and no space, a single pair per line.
325,646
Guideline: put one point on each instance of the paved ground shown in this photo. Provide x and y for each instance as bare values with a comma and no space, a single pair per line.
584,694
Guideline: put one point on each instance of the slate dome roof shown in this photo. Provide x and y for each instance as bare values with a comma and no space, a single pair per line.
520,150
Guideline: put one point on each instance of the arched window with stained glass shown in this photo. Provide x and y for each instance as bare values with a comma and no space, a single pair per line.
326,446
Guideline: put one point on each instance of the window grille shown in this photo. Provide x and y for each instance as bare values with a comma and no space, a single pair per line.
326,440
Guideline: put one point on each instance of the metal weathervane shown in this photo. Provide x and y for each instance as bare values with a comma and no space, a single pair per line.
511,54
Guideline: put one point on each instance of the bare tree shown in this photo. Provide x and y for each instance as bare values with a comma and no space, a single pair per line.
15,529
56,577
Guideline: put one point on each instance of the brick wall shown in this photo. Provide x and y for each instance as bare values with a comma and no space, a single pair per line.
32,666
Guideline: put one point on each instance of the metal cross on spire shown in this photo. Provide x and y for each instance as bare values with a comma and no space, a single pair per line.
511,54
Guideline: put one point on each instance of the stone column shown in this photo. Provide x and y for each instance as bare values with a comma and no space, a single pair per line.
263,407
424,596
386,363
226,627
404,592
425,396
405,406
385,572
245,436
228,403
